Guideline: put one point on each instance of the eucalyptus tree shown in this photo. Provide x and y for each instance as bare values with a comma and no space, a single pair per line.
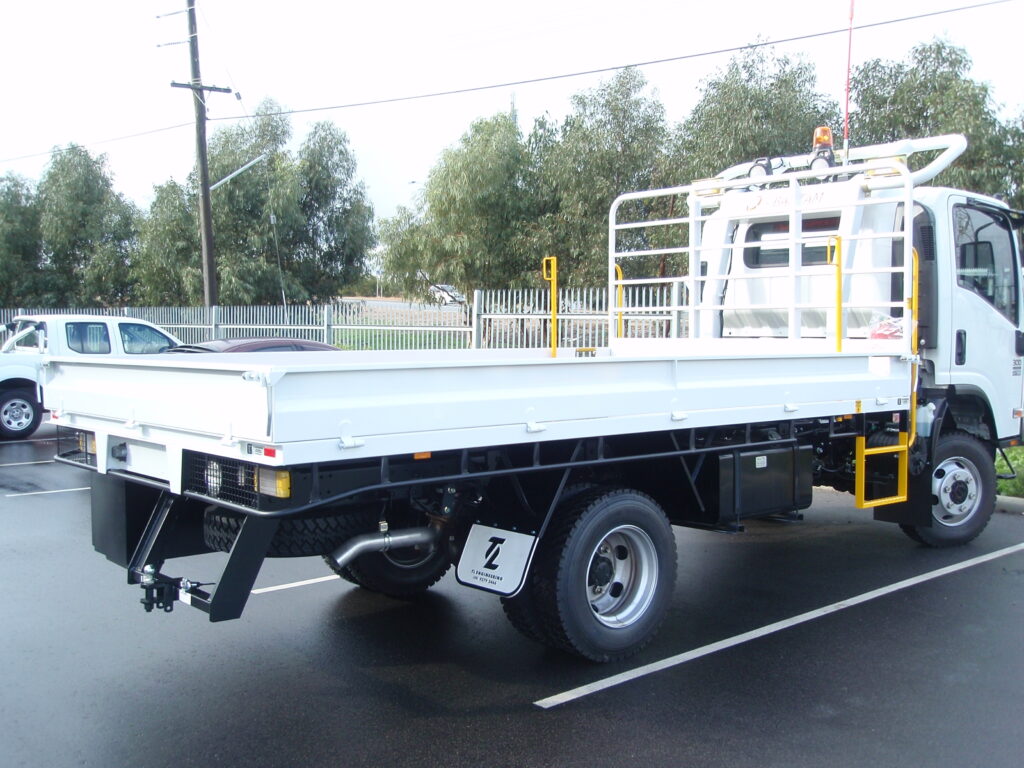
471,227
930,93
760,105
21,242
295,226
89,232
611,142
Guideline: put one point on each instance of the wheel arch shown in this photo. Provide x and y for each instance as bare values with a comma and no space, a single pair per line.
968,411
18,382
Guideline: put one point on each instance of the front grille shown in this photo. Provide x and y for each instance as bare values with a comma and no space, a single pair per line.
228,479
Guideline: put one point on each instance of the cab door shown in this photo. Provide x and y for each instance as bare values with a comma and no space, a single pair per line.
987,344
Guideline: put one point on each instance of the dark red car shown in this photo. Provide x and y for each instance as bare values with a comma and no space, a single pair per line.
254,345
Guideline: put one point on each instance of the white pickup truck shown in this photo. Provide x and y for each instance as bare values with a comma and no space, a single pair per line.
819,323
34,339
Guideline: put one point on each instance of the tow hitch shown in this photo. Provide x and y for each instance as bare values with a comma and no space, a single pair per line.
161,591
227,599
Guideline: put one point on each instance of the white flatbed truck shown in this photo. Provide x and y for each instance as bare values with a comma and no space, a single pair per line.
816,324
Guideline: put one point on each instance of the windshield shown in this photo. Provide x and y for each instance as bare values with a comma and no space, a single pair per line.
25,336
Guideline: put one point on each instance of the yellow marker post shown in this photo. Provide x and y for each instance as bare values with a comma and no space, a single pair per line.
550,273
834,256
618,299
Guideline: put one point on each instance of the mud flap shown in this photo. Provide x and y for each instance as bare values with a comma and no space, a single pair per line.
495,560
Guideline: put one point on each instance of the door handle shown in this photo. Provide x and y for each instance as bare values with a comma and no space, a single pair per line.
961,347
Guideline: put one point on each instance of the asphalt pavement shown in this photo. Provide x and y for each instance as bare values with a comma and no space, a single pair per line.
831,642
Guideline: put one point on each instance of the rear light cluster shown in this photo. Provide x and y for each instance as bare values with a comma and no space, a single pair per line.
79,447
234,481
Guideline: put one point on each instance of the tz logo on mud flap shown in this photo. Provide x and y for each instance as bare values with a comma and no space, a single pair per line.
492,553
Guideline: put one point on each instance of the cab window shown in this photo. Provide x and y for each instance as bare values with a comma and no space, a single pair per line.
984,257
88,338
138,339
767,242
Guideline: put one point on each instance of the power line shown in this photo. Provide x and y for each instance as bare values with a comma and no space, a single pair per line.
616,68
60,150
532,81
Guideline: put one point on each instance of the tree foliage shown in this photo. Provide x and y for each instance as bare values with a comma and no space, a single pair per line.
297,226
930,94
167,267
20,242
759,106
88,232
612,142
472,228
496,204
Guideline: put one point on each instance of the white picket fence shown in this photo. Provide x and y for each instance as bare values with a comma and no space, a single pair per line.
495,319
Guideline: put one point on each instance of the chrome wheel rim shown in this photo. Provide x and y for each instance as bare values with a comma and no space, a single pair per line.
622,576
956,491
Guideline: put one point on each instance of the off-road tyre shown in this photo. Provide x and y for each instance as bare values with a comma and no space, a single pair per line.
959,491
521,612
295,537
603,574
521,609
20,414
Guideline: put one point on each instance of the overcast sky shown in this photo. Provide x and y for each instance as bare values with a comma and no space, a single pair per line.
91,73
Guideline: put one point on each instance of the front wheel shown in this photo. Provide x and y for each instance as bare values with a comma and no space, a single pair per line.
604,574
20,414
961,493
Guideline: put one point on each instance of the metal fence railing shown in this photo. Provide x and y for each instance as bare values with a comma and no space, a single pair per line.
495,319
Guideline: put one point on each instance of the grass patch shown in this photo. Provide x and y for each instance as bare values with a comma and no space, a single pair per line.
1013,487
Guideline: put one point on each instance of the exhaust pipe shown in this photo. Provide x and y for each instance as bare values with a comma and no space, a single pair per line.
383,541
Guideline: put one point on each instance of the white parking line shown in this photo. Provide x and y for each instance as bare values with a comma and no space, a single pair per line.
41,493
25,463
721,645
263,590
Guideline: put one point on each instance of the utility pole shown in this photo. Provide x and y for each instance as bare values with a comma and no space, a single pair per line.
205,212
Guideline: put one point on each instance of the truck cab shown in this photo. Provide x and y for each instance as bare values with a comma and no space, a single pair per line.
33,339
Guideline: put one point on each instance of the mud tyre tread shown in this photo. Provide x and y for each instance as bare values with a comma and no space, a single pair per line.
952,445
561,620
295,537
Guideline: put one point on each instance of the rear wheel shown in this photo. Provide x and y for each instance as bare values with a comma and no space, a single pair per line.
521,610
961,493
604,574
20,414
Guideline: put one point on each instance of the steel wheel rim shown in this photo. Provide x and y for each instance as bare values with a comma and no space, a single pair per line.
622,576
956,488
17,414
